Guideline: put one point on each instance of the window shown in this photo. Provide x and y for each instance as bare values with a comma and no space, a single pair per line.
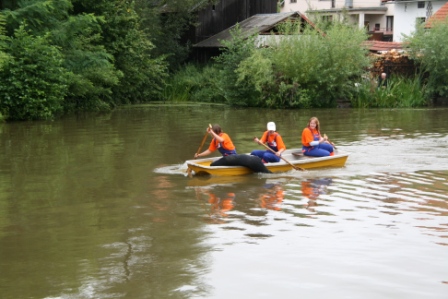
389,23
377,27
421,4
293,1
420,20
327,19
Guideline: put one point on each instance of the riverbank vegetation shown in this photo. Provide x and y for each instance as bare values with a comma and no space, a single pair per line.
312,70
59,57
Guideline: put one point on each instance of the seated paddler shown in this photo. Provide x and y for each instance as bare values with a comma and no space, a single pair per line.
221,142
272,139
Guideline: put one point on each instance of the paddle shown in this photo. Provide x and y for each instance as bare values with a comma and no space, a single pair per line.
200,148
293,166
329,141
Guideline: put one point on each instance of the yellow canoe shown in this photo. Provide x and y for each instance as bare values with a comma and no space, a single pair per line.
293,156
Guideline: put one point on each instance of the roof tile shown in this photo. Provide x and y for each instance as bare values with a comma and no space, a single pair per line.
440,15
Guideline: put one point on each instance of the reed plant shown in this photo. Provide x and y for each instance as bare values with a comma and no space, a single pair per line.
194,83
400,92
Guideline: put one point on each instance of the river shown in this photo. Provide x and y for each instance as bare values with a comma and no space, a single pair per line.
99,206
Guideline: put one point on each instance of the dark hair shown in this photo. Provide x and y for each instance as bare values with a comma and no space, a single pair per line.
217,129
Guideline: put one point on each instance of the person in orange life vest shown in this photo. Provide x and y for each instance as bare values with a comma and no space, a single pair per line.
272,139
273,198
221,142
313,144
221,206
313,188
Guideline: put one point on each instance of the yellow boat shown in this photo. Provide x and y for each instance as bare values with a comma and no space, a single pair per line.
293,156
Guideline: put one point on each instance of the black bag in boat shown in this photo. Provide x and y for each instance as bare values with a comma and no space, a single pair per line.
252,162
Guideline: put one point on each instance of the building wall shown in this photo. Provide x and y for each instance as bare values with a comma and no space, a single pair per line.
406,14
304,5
219,16
226,13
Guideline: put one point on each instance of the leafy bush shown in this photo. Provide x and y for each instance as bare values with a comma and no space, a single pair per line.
429,47
194,83
401,92
303,69
237,91
34,83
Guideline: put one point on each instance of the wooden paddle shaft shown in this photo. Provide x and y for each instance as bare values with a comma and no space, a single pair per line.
293,166
200,147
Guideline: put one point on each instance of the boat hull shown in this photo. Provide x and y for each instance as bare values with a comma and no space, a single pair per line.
293,156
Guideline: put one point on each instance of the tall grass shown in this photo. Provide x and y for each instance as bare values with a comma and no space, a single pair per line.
401,92
193,83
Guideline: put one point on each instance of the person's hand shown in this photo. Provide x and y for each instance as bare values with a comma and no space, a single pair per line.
256,140
196,155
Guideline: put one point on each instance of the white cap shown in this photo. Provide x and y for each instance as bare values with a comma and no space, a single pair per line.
271,126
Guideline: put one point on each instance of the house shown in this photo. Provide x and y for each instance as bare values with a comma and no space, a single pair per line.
440,15
385,20
370,14
262,25
407,14
220,15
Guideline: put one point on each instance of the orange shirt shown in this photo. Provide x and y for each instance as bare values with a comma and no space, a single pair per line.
273,140
226,144
308,190
309,135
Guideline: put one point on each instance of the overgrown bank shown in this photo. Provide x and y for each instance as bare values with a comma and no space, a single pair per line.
59,57
311,70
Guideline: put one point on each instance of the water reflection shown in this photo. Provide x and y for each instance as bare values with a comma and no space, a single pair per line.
84,214
229,197
272,197
312,188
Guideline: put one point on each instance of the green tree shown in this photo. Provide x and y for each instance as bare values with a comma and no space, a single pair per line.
167,22
429,47
33,82
143,75
303,67
3,42
78,37
238,91
3,55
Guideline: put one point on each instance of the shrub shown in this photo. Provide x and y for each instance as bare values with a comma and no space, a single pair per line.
401,92
429,47
34,83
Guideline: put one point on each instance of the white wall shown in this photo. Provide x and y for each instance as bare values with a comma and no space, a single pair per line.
405,12
303,5
406,15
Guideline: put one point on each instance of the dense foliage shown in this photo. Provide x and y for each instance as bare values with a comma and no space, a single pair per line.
304,69
429,47
85,55
59,56
34,83
309,69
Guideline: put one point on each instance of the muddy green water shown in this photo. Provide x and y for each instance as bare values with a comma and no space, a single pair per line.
98,206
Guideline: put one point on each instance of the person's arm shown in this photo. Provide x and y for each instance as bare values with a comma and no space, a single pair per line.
204,153
216,136
317,142
263,138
